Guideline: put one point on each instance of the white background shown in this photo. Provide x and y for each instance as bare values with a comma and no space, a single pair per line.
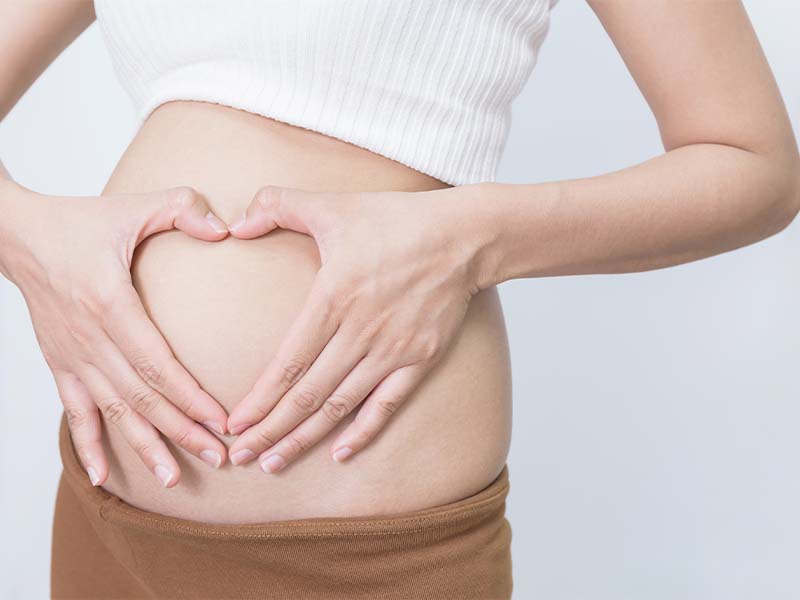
655,446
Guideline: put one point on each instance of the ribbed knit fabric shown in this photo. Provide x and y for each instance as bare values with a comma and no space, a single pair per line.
428,83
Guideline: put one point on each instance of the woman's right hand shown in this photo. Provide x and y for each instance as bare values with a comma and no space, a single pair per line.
71,258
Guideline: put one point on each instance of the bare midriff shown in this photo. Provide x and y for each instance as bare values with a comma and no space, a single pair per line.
224,308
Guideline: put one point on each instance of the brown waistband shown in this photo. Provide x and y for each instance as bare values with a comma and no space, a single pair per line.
115,510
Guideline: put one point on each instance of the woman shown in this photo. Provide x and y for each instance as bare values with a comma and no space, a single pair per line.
315,364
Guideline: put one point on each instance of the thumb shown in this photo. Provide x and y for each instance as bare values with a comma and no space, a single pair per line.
182,208
287,208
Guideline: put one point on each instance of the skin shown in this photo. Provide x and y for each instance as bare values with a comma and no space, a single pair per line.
383,310
729,176
105,354
93,330
225,308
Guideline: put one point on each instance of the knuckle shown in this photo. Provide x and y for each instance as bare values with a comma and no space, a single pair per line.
329,301
345,294
182,438
101,300
187,407
77,331
297,444
143,399
386,408
77,294
393,350
114,410
80,331
292,370
265,438
349,399
142,448
364,434
88,303
183,196
368,331
430,347
431,353
83,450
48,355
76,417
335,409
260,412
306,399
267,196
184,395
331,292
337,289
151,372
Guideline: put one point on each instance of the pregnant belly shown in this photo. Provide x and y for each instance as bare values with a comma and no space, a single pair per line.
225,307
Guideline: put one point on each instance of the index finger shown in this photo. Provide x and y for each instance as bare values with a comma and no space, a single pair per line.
129,326
307,336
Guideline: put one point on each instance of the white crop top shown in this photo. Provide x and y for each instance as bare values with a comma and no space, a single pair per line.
428,83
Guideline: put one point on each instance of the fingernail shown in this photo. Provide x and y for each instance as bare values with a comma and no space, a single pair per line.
214,426
342,453
240,456
273,463
238,223
211,458
215,222
239,428
164,474
93,476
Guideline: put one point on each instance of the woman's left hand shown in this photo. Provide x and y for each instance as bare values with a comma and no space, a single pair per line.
398,270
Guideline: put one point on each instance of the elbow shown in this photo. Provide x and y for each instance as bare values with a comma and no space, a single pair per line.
784,200
794,197
790,203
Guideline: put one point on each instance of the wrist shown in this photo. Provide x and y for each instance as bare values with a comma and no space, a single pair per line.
514,227
15,203
487,234
474,230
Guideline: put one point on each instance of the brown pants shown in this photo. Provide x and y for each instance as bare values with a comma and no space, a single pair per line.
105,548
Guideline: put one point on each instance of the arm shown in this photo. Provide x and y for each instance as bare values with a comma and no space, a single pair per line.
71,257
730,175
398,269
32,34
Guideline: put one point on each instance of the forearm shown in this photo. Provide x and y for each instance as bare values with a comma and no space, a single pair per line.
689,203
32,34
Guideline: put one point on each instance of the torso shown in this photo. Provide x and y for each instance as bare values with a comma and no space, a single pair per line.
224,308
